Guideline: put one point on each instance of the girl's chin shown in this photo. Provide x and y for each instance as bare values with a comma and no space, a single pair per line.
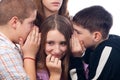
57,57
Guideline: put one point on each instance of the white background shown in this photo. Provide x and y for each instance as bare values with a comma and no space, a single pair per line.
113,6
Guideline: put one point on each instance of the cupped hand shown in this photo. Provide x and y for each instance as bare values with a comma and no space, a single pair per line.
31,45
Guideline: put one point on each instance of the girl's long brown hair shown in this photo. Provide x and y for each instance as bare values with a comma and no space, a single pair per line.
64,26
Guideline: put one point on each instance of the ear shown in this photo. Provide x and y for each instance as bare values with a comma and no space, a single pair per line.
97,36
14,21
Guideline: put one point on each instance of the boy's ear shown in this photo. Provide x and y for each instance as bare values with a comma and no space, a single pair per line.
97,36
13,22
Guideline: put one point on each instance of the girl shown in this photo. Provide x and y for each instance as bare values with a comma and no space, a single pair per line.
50,7
53,56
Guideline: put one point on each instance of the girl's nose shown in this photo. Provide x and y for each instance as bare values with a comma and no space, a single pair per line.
57,49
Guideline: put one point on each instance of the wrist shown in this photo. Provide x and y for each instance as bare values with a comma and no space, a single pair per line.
55,77
78,54
28,58
28,55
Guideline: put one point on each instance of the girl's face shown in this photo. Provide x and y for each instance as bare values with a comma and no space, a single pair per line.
52,5
55,44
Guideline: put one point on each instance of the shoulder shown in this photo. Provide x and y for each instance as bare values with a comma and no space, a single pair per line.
112,44
113,41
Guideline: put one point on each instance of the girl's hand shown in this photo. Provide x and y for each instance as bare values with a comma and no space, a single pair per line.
54,66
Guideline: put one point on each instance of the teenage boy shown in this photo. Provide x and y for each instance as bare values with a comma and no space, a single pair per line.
92,26
16,23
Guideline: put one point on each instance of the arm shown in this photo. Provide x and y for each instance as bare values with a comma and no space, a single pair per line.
29,49
11,62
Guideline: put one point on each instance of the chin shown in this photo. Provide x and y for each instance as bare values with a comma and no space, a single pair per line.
57,57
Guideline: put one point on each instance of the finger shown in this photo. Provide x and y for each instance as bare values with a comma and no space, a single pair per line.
21,42
48,58
75,41
36,37
59,63
39,38
75,33
28,38
52,59
56,60
33,33
82,46
72,41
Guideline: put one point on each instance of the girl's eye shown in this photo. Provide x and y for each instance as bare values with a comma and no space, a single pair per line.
63,43
50,42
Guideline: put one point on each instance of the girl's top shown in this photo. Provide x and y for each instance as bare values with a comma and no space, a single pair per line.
42,75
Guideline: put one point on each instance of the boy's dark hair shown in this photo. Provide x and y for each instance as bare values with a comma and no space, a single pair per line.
94,18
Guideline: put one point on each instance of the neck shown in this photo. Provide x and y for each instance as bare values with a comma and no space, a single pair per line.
6,31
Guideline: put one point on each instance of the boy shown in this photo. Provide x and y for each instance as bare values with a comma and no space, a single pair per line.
92,26
16,23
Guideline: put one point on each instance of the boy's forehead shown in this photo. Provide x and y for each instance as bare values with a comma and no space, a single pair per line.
78,28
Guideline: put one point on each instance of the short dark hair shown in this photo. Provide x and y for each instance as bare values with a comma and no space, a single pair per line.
94,18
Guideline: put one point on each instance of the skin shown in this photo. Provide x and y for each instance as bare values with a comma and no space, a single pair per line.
51,6
19,29
55,49
84,35
55,44
25,27
29,49
83,38
27,35
29,41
